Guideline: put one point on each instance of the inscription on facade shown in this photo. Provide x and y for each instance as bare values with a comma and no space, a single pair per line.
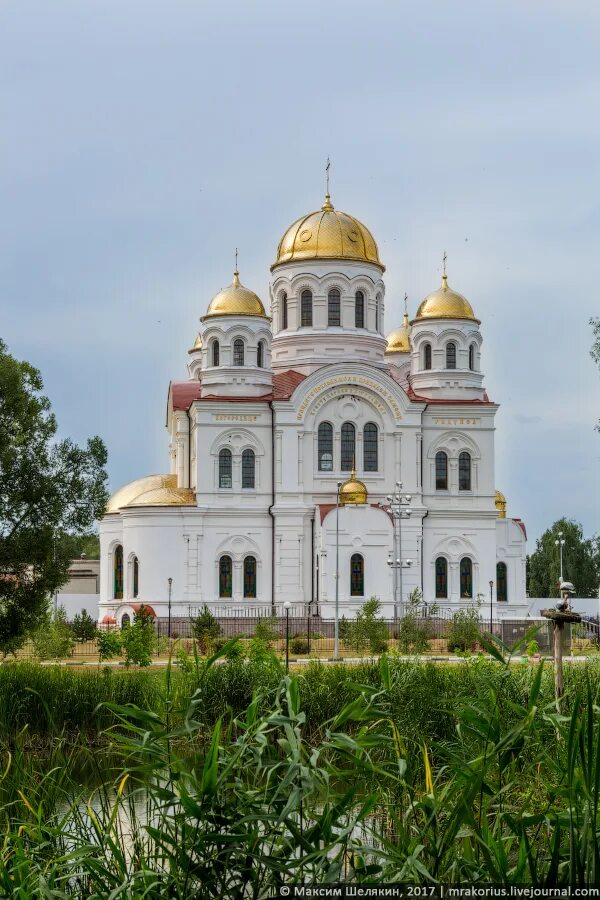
231,417
457,421
341,386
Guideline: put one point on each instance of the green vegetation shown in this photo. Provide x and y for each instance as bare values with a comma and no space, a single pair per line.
206,630
83,627
465,630
581,562
424,774
53,639
368,631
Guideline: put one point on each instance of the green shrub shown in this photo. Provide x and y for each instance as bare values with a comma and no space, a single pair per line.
139,639
206,630
367,631
109,643
465,630
299,644
267,630
83,627
54,639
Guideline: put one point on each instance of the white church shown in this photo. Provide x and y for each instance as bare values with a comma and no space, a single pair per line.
305,445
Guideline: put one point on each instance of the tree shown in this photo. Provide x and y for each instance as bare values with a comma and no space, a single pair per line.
48,487
83,627
139,639
76,544
206,630
367,630
595,351
54,638
581,562
108,643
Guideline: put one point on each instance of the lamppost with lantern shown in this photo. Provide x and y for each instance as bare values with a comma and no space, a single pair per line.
491,607
560,543
399,508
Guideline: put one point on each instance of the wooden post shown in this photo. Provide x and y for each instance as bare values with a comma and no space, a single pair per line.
559,619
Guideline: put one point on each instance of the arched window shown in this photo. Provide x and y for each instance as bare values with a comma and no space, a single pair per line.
248,469
333,307
451,355
136,577
250,578
370,435
441,471
466,578
501,583
377,314
427,356
125,620
359,310
118,573
260,354
472,357
306,309
215,353
357,576
347,450
238,352
464,471
225,577
441,578
325,447
225,468
284,311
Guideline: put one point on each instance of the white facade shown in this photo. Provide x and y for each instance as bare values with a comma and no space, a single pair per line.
247,515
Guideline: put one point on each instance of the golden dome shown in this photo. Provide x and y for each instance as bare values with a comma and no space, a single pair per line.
327,234
197,344
353,491
445,304
165,496
501,504
398,340
236,300
130,491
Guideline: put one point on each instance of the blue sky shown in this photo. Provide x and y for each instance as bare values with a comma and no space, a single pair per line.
141,142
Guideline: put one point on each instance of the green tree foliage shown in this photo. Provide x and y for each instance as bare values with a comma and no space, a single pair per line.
54,639
47,487
415,629
206,630
465,630
139,639
109,643
83,627
267,630
367,630
74,545
581,561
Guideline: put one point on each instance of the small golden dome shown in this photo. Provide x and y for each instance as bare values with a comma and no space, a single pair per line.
128,492
197,344
445,304
165,496
327,234
398,340
353,491
236,300
501,504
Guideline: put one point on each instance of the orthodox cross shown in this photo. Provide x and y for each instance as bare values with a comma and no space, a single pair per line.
444,258
327,168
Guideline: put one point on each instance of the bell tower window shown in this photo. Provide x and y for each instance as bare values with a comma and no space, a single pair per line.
333,307
238,352
260,355
215,353
472,357
451,355
359,310
284,311
306,317
427,356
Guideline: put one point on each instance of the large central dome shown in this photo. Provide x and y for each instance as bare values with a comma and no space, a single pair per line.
327,234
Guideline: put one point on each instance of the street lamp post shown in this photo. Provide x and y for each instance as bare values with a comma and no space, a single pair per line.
399,508
336,626
286,606
491,607
560,544
169,619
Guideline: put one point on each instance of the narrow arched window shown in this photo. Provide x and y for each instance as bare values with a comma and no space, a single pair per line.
118,573
250,578
472,357
466,578
136,577
464,471
333,307
225,577
225,468
357,576
441,578
348,447
238,352
306,309
377,314
501,583
125,620
370,440
325,447
215,353
284,311
451,355
441,471
248,469
359,310
260,354
427,356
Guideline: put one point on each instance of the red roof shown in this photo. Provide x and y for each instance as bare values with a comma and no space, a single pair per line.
149,609
521,525
184,393
285,383
108,620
